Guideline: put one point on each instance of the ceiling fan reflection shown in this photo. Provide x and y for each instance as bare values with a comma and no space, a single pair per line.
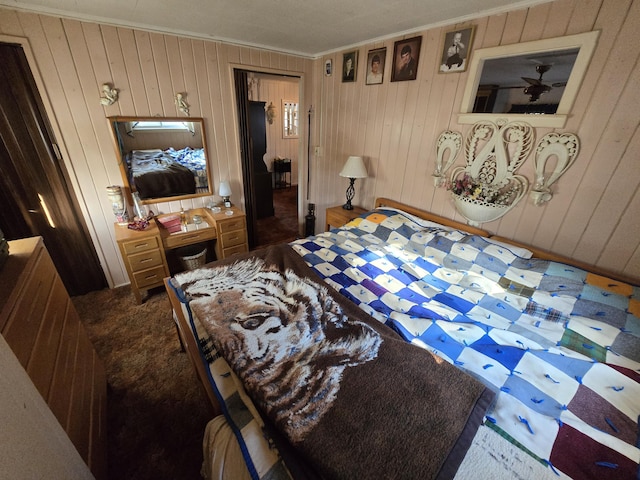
536,87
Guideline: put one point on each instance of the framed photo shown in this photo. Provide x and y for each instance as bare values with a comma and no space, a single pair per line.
349,66
406,54
328,67
456,50
375,66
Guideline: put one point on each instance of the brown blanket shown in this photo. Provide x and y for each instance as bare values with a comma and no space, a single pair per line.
352,398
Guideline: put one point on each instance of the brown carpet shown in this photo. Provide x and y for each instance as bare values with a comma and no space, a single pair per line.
283,226
157,410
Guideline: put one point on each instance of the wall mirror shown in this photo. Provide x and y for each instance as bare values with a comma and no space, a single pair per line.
289,119
162,159
536,82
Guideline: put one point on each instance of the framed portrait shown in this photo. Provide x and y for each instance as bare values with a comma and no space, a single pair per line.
456,50
375,66
349,66
328,67
406,54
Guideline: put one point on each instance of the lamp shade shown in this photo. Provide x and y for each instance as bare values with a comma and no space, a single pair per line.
354,168
224,189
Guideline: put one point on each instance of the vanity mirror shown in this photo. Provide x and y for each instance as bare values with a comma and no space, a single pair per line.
536,82
162,159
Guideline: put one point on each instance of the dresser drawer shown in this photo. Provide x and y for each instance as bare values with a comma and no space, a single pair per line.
227,252
144,260
141,245
21,329
230,225
231,239
149,277
183,239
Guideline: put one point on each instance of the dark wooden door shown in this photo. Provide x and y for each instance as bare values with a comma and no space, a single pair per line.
262,177
35,191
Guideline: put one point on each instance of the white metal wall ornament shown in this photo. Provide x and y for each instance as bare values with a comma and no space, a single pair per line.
487,187
564,147
447,141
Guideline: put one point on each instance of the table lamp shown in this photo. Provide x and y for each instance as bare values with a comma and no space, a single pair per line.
224,190
353,168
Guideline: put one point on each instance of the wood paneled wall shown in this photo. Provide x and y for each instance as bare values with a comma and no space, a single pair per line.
72,59
594,215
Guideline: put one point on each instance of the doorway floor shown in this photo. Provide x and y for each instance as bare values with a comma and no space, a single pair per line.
283,226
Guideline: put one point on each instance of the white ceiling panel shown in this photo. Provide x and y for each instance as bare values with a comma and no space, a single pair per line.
302,27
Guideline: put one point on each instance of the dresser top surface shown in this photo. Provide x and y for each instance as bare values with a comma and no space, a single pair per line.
20,255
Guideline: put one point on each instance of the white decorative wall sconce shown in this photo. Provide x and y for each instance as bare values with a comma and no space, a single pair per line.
271,112
487,188
109,95
182,104
564,147
447,141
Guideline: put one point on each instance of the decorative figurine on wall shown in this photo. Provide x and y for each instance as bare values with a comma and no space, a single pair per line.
110,95
182,105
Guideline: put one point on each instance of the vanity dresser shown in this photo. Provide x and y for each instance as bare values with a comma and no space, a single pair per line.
148,253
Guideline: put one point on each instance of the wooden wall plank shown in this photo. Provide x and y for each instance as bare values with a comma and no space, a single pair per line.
163,75
148,71
591,179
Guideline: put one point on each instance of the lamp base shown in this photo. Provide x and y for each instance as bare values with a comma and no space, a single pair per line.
350,193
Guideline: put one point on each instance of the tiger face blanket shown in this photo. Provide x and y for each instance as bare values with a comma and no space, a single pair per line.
351,397
285,333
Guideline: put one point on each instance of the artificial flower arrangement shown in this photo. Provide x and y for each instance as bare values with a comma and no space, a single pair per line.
468,188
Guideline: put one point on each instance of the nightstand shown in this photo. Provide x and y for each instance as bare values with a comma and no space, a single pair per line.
338,216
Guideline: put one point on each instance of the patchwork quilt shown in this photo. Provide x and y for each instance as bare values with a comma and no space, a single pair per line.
559,345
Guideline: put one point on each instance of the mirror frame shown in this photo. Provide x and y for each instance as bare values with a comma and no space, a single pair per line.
113,121
586,42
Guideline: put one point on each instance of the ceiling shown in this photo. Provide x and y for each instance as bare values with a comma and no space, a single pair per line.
307,28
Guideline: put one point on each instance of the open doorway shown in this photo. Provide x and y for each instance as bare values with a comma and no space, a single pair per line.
270,135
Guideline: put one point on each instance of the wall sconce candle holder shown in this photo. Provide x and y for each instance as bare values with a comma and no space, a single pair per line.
564,147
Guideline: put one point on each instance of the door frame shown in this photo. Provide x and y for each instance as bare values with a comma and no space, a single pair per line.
303,160
64,153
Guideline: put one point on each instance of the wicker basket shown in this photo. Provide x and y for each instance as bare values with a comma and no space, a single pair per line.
189,262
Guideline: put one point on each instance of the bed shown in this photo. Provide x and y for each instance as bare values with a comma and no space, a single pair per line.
452,354
164,173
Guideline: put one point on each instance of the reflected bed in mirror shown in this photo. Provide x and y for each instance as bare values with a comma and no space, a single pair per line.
536,82
162,159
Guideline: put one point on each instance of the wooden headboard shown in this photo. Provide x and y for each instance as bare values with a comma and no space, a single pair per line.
537,252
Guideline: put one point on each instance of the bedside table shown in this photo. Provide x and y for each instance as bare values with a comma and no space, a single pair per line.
338,216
